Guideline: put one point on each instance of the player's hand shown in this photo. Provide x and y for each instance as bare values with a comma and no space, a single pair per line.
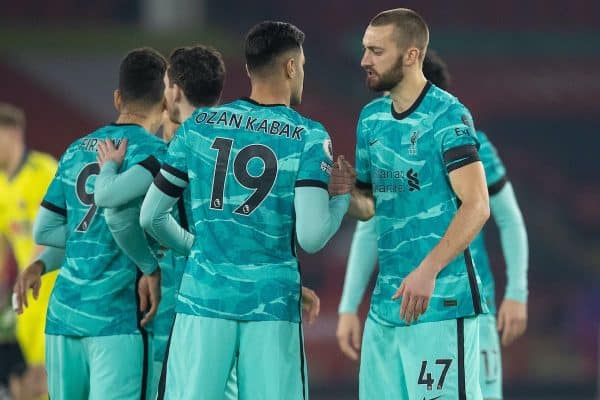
349,335
512,320
343,177
30,278
149,292
311,304
108,152
416,291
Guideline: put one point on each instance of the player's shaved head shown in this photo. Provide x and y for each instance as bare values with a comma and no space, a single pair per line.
411,27
200,72
11,117
436,70
141,77
267,41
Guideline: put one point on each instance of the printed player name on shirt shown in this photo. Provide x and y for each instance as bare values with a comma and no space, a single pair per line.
91,144
239,121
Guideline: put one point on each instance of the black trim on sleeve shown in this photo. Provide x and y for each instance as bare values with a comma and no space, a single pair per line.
414,106
162,381
460,156
167,187
364,185
183,218
177,172
151,164
498,186
475,295
49,206
312,183
460,339
302,361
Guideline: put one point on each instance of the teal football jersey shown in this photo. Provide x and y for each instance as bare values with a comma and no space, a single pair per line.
495,174
243,161
95,292
405,159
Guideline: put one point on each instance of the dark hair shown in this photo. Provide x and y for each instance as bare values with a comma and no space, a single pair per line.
11,116
141,77
411,26
269,39
200,72
436,70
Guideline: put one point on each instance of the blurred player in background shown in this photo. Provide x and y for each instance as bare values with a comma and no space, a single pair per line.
239,299
94,342
24,177
512,317
417,159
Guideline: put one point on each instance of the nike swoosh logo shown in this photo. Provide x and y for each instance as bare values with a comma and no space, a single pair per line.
435,398
371,143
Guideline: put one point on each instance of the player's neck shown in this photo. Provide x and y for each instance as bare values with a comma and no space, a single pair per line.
268,94
186,111
139,118
14,160
407,91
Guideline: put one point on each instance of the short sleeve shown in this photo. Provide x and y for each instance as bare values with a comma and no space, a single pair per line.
175,161
455,134
316,160
495,172
55,200
363,161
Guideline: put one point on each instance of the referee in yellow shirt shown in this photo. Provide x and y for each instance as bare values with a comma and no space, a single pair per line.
24,178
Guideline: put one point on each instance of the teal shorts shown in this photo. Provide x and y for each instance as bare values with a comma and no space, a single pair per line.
490,370
155,367
267,355
95,368
424,361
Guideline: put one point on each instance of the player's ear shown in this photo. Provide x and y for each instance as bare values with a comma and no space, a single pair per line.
247,71
178,93
290,68
411,56
117,99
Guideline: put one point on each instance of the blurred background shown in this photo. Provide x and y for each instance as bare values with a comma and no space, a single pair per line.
527,69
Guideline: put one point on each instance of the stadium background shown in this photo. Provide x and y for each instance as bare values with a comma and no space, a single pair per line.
526,69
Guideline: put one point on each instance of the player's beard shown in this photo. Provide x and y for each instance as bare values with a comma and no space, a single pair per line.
388,79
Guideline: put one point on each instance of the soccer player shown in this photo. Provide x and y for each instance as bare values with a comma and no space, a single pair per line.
417,156
256,169
194,78
24,177
512,317
94,348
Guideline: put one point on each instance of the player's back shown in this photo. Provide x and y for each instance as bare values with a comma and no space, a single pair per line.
243,162
95,292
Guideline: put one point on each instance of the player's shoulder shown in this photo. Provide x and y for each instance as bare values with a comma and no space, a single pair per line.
375,106
440,101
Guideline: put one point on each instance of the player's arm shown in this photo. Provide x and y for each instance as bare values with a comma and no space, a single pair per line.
124,224
318,216
113,189
361,263
50,226
156,217
512,314
50,259
362,205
